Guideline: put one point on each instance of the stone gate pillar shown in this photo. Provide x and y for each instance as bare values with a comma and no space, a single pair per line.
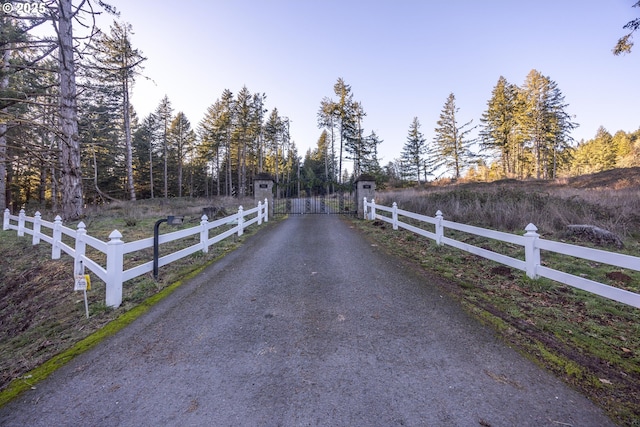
365,187
263,189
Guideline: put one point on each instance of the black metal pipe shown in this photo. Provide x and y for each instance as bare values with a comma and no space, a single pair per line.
156,229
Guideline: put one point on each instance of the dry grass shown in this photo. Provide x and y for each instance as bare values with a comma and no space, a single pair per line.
590,342
511,206
41,316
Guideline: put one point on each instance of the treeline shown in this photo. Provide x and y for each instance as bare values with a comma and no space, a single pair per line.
69,135
524,133
67,143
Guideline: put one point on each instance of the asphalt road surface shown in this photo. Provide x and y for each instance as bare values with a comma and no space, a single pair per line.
307,324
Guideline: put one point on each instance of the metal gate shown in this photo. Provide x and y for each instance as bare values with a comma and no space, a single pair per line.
336,204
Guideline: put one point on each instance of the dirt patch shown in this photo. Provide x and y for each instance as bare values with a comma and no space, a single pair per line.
502,270
620,277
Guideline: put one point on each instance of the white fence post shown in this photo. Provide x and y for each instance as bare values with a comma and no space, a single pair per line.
259,212
204,233
373,209
439,228
266,210
394,215
57,238
240,221
5,222
115,253
364,204
80,249
37,220
531,251
21,219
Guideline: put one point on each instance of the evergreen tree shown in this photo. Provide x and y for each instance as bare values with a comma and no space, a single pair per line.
344,115
596,155
453,147
499,130
181,139
625,43
145,141
326,119
356,144
164,113
370,163
242,136
116,64
544,124
274,136
213,131
413,152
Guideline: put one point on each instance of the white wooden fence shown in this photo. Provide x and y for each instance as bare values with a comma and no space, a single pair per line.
113,273
531,242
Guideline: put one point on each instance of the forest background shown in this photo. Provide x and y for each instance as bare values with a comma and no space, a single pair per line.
70,135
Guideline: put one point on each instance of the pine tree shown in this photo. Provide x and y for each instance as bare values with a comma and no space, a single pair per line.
147,140
453,147
117,64
345,117
326,119
164,112
181,139
625,43
413,151
544,124
274,135
499,130
213,130
370,161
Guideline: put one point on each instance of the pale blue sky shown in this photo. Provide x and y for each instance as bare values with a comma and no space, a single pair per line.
402,58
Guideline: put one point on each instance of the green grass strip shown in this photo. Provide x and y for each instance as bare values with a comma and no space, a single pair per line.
31,378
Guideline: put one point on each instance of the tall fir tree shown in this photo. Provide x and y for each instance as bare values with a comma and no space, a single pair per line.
345,117
453,147
414,151
544,124
181,139
164,113
499,127
116,64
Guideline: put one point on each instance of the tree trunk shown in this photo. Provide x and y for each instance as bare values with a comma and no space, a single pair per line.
151,167
4,84
127,137
218,169
165,152
68,142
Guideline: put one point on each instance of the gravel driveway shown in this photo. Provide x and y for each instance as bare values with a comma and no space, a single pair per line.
306,324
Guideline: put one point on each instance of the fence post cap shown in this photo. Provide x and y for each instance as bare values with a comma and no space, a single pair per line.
81,226
58,218
531,230
37,214
204,218
115,235
439,213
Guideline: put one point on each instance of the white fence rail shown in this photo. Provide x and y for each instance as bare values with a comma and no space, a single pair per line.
531,242
113,273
